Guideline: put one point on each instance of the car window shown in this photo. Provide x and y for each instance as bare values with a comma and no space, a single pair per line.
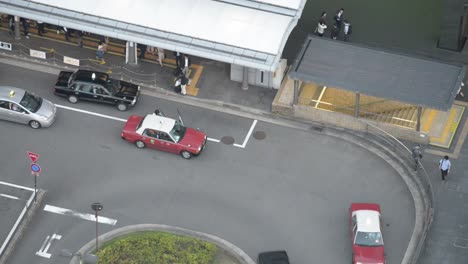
4,104
151,133
84,87
31,102
368,239
178,131
165,137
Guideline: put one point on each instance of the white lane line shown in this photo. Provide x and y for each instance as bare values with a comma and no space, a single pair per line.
214,140
17,186
91,113
248,135
20,217
9,196
90,217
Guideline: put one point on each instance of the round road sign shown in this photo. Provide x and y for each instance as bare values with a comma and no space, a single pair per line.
35,168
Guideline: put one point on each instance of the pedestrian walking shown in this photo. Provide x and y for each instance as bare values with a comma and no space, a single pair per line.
161,56
80,35
40,28
460,91
180,84
100,51
417,155
323,17
142,50
444,166
25,23
347,30
185,64
321,28
338,18
11,24
68,32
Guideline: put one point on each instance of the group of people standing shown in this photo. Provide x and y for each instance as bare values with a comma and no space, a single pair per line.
339,23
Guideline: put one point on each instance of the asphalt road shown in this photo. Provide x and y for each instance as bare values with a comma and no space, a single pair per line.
289,191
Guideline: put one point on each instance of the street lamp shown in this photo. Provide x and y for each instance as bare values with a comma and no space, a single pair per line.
96,208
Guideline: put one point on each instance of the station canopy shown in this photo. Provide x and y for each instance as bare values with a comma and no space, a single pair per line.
378,73
249,33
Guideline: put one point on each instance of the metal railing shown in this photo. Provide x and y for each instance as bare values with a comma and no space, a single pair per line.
421,180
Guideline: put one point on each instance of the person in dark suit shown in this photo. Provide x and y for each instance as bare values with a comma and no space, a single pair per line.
185,64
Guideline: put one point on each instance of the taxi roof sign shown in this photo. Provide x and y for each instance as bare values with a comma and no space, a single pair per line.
12,93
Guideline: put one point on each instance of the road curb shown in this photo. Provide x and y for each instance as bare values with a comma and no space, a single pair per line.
233,250
40,195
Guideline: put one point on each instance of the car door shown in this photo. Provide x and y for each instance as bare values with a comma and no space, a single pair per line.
107,97
17,113
5,110
151,139
167,143
84,91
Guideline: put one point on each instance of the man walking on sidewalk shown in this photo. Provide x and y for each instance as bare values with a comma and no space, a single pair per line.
444,166
417,156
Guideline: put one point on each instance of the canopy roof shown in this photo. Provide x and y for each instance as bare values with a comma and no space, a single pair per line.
378,73
245,32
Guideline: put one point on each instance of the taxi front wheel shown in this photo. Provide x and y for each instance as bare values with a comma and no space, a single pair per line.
186,154
72,99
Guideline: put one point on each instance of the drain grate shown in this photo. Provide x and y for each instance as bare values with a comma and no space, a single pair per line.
259,135
227,140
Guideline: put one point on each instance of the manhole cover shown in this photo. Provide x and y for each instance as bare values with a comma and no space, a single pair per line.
259,135
227,140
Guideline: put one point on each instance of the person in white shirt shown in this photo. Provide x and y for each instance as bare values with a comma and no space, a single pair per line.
321,28
347,30
444,166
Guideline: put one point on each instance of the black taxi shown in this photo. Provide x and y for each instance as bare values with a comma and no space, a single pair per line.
96,87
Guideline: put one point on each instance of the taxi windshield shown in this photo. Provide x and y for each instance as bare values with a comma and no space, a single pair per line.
369,239
178,131
31,102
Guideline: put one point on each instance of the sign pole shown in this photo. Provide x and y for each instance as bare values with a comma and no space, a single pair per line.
35,187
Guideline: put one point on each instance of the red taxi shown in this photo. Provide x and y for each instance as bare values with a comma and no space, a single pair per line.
163,133
366,233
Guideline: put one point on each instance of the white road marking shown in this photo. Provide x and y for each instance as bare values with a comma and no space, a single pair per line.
248,135
9,196
17,186
20,217
89,217
46,245
213,140
90,113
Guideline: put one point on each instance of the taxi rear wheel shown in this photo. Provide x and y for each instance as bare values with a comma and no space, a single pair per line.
72,99
34,124
186,154
140,144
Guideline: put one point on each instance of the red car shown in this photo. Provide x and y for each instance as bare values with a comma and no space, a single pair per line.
366,233
163,133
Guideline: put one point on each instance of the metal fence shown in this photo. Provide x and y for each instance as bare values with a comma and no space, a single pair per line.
421,181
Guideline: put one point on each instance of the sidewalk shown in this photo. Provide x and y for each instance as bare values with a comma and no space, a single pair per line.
214,82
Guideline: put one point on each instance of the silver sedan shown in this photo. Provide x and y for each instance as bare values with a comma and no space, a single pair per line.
18,105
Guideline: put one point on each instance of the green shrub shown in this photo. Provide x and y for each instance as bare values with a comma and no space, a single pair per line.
156,248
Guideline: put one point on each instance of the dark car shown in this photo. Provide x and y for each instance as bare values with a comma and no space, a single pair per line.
96,87
273,257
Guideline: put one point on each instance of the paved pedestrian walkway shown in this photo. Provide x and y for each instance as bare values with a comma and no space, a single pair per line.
211,79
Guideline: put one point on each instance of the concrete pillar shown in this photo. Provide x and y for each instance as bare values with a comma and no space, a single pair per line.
296,92
131,56
245,78
418,122
17,28
356,105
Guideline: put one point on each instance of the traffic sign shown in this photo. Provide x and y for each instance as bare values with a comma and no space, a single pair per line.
33,156
35,168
